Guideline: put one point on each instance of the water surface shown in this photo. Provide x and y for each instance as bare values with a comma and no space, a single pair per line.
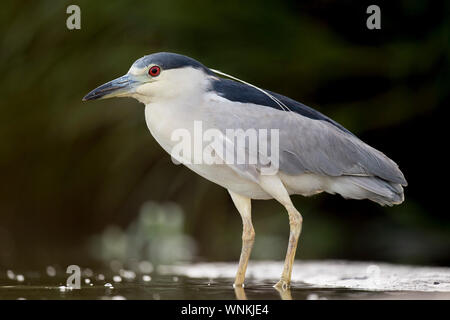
322,280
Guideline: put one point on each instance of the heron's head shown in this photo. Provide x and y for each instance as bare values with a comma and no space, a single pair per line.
157,76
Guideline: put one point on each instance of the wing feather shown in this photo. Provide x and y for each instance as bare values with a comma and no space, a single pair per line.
306,145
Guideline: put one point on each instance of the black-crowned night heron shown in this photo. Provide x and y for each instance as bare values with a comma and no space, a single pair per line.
309,152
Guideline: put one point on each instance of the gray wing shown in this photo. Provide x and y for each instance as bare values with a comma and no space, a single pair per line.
318,147
306,145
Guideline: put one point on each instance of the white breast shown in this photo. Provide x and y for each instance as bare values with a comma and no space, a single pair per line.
161,123
164,118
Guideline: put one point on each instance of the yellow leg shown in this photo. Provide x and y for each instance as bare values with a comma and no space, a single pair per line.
285,294
273,185
240,293
295,223
243,204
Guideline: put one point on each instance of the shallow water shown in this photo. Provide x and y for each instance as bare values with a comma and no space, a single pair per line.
181,282
164,287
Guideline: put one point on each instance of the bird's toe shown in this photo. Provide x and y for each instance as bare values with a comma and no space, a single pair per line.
282,285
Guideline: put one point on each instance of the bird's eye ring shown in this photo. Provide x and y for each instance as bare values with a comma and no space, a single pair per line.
154,71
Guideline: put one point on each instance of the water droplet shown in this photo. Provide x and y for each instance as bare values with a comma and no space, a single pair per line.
51,271
10,274
88,272
146,278
127,274
145,266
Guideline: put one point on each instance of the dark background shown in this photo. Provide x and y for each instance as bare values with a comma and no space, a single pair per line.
71,170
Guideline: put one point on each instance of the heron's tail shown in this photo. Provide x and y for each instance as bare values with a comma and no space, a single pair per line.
373,188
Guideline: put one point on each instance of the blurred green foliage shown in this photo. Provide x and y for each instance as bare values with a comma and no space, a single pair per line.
156,235
71,169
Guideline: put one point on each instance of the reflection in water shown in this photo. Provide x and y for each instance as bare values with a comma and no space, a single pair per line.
240,293
285,293
127,284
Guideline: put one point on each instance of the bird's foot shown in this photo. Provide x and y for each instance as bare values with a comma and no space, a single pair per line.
240,292
282,285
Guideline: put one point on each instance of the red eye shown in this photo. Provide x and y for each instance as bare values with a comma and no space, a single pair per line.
154,71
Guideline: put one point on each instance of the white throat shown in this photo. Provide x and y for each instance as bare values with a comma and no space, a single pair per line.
174,84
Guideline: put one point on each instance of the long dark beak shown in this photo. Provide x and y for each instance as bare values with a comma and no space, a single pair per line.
115,88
